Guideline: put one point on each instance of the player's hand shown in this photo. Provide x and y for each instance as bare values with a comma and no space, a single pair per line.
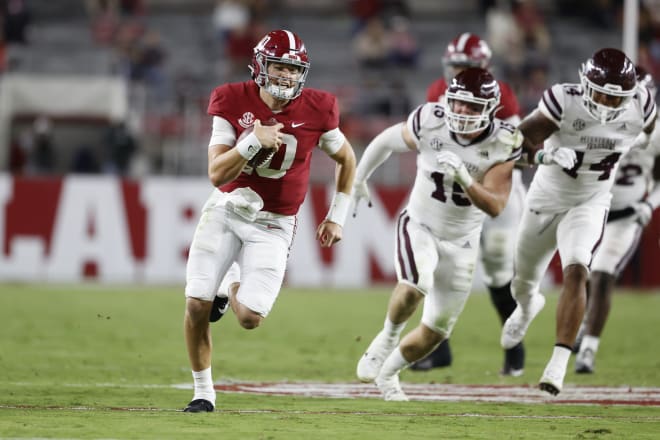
360,192
562,156
643,212
269,136
452,165
328,233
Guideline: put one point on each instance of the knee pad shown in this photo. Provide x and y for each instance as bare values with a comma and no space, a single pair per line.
497,257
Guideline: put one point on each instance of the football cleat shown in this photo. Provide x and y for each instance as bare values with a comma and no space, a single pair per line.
514,361
391,388
439,358
372,360
220,307
199,405
552,380
507,370
584,361
516,325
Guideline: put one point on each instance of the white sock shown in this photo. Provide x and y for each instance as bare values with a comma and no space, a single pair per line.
590,342
203,383
392,330
560,356
394,363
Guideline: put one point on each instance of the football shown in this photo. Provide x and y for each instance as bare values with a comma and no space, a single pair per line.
264,154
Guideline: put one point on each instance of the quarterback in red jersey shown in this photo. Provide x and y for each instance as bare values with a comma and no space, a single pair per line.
264,132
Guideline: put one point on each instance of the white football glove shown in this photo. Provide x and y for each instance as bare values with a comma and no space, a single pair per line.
643,212
452,165
360,192
562,156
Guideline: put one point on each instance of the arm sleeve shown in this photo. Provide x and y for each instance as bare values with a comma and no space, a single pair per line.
379,149
222,133
331,141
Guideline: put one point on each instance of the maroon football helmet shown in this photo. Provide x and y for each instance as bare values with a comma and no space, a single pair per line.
608,72
466,50
280,46
645,79
475,89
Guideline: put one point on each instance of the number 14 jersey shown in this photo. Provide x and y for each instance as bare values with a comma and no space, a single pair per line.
598,148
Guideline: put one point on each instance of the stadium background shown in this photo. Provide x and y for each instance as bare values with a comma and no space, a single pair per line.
103,129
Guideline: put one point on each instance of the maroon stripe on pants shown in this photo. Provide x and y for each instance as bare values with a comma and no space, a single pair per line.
409,256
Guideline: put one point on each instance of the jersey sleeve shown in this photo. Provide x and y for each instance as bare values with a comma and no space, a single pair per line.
414,123
425,117
649,107
551,104
332,111
219,101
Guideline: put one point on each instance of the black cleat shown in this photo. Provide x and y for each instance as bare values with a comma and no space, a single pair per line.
220,307
549,388
439,358
514,361
199,405
422,365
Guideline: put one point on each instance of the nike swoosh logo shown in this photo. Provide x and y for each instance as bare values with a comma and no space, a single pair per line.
296,124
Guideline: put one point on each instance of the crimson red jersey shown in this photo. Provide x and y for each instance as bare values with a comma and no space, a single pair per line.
508,102
282,182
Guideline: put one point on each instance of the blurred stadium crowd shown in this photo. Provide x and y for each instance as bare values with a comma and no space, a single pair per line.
377,56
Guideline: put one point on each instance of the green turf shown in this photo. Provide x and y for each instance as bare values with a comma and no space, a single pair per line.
72,357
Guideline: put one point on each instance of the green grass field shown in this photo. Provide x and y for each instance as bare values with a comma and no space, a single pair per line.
82,362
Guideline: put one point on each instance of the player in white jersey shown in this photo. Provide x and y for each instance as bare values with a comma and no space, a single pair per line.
498,235
600,119
464,165
635,195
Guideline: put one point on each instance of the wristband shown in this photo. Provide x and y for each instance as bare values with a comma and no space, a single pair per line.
538,157
463,177
339,208
249,146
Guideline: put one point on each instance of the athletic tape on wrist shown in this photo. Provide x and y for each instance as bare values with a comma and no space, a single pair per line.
249,146
339,208
538,157
464,178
